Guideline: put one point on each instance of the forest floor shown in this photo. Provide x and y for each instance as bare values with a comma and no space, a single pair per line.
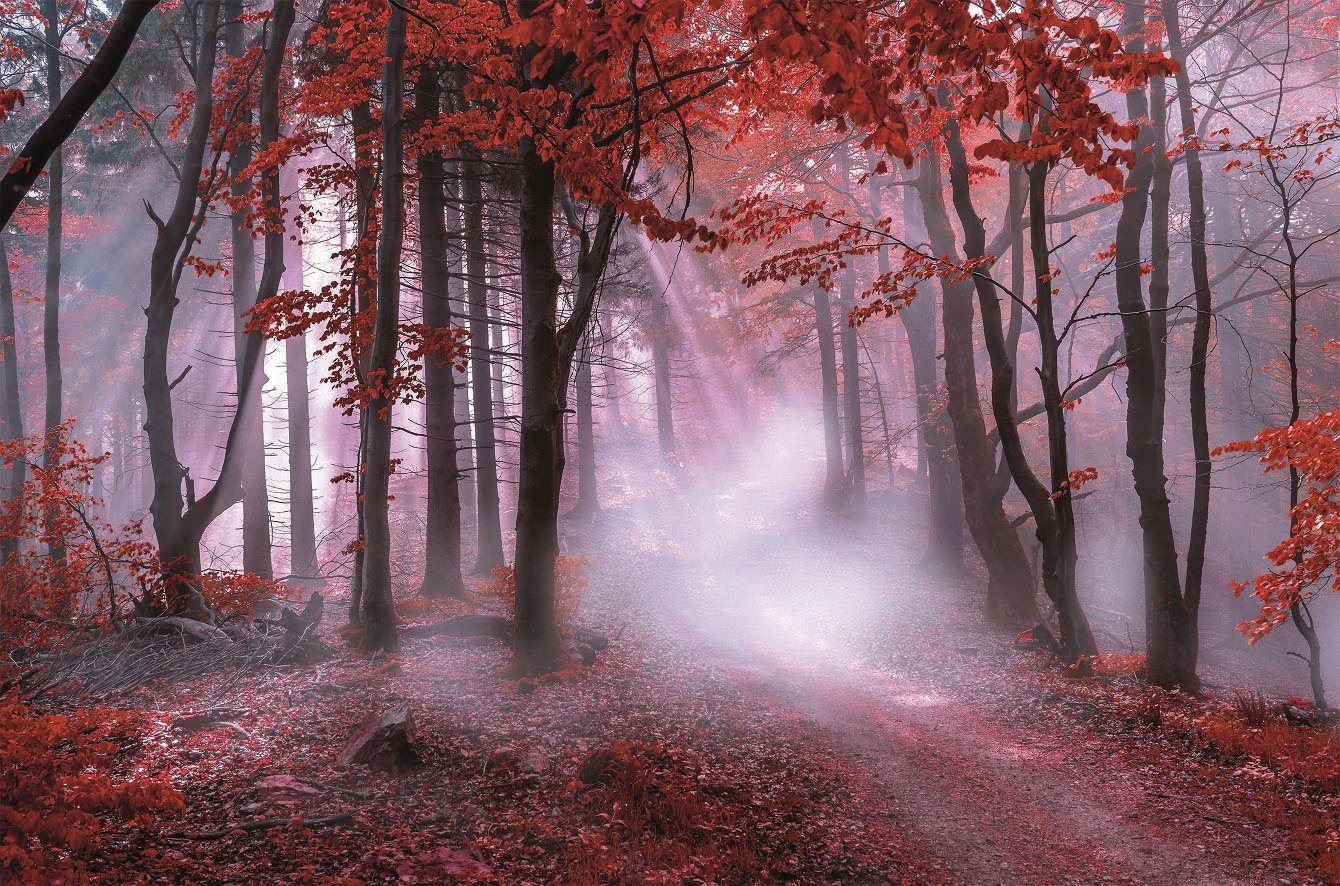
782,701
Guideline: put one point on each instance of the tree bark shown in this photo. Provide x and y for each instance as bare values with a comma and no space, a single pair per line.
1169,627
1051,507
487,507
1200,339
851,375
51,290
661,331
303,562
1009,578
588,500
13,407
379,627
934,434
442,561
178,537
834,473
537,644
365,196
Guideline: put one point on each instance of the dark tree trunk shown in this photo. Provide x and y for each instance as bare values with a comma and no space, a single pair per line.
13,407
178,537
1169,627
442,561
460,316
1009,578
1200,341
934,434
1051,507
365,195
51,289
61,121
379,627
537,643
487,508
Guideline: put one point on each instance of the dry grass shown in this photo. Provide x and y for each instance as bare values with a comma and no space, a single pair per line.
1307,752
1296,776
667,831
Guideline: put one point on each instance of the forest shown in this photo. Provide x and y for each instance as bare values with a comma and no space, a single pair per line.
653,441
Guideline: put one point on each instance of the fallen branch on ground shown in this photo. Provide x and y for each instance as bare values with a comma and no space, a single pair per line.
264,825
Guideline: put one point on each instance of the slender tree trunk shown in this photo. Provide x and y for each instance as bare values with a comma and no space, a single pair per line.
1200,340
851,395
13,407
442,564
613,397
1160,198
1170,661
365,195
1076,635
1299,612
256,548
934,434
1009,578
178,538
303,561
487,507
661,331
851,373
538,646
379,627
55,235
588,501
834,472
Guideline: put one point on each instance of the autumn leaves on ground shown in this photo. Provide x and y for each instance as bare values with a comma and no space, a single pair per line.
778,700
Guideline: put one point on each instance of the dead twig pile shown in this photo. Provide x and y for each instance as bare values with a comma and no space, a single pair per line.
173,649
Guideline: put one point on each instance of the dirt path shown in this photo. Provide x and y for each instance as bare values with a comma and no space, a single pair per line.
843,637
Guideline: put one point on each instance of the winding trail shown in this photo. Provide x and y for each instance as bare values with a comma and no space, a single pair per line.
884,663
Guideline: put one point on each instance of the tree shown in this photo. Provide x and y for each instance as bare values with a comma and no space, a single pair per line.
379,625
62,120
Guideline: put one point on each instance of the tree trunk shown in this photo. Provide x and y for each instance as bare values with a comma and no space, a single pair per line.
588,501
13,407
1169,627
834,473
851,395
934,434
1009,578
851,373
365,195
303,562
51,289
257,556
1200,341
178,538
538,647
661,331
1052,514
379,627
487,508
442,562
